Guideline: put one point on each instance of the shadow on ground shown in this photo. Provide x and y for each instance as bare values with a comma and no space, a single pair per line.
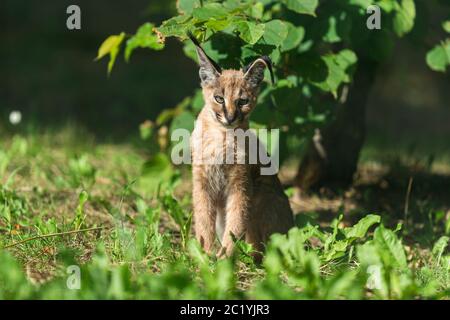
412,195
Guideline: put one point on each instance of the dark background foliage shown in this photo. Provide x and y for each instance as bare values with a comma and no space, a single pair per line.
49,73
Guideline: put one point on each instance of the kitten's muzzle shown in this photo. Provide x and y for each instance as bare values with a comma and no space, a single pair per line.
231,118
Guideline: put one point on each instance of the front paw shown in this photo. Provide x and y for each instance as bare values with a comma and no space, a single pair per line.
226,250
221,253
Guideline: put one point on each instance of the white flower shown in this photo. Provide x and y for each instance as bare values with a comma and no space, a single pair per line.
15,117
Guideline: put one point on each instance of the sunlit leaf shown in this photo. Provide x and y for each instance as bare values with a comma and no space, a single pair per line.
145,37
404,17
438,59
275,32
390,247
187,6
250,32
302,6
294,37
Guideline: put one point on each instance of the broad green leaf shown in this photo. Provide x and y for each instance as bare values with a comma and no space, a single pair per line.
250,32
337,249
387,5
359,230
404,17
302,6
439,248
389,247
336,65
367,254
439,57
187,6
294,37
218,25
210,11
275,32
233,4
176,26
257,10
145,37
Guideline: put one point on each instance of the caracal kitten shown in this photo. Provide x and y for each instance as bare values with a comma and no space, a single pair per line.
232,199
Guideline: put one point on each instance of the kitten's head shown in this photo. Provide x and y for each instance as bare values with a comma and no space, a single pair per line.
230,95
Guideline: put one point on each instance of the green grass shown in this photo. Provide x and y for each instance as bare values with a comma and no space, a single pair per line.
66,200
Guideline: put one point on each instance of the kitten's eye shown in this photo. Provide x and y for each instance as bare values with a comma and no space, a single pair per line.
219,99
242,102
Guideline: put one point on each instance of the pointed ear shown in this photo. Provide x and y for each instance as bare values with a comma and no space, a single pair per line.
254,72
209,69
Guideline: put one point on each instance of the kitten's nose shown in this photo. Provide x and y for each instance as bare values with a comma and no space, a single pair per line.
231,117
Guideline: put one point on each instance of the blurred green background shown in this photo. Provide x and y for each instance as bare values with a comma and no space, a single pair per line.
49,74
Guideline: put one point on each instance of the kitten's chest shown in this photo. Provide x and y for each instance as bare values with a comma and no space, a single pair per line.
209,149
217,178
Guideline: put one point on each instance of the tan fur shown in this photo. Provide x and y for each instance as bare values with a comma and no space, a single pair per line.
232,198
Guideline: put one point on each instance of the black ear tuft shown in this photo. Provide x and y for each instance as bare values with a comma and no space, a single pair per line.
269,66
209,69
254,72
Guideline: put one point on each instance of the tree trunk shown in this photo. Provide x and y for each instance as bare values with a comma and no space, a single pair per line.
332,156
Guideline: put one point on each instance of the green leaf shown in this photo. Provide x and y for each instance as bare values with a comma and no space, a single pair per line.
184,120
250,32
112,46
109,44
340,284
337,249
257,10
176,26
155,171
145,37
337,65
446,26
302,6
361,3
359,230
146,129
217,25
367,254
389,247
332,35
197,101
275,32
187,6
404,17
210,11
294,37
337,27
439,57
439,248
